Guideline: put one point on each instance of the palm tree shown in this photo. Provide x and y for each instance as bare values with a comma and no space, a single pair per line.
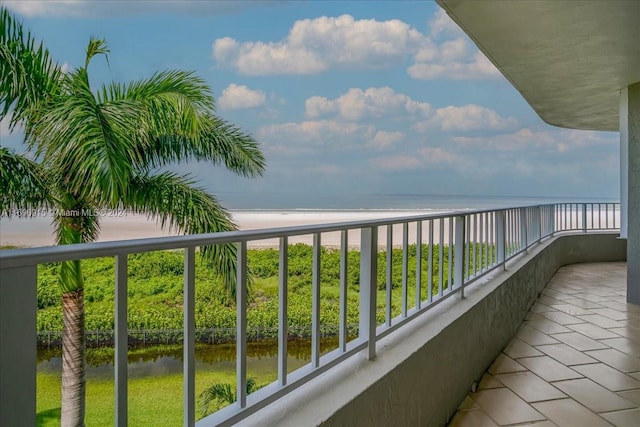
96,149
223,394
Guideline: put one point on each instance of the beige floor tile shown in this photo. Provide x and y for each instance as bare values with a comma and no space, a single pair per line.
569,413
533,316
608,377
593,331
579,342
505,407
629,332
625,345
616,359
547,300
539,424
474,418
518,348
631,396
504,364
547,326
571,309
530,387
598,320
579,302
628,418
561,318
548,368
467,404
611,313
593,396
534,337
489,381
635,375
565,354
541,308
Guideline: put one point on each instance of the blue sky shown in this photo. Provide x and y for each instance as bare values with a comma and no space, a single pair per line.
346,98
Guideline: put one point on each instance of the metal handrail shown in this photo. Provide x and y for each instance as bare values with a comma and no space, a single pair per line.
477,242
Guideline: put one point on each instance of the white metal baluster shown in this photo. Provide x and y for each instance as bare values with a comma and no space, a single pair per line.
315,304
418,263
189,337
467,248
344,275
121,343
450,253
459,257
241,326
481,233
389,274
440,256
283,302
430,266
405,267
475,242
368,287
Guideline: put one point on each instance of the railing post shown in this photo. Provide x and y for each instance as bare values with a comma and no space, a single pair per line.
189,337
121,342
539,215
500,239
283,322
523,228
368,287
241,325
18,308
458,274
584,217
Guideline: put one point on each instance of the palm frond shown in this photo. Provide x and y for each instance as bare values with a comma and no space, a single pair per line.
23,184
179,205
96,47
176,123
86,143
224,142
28,74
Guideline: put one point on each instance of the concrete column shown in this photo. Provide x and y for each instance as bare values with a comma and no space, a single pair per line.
624,160
633,198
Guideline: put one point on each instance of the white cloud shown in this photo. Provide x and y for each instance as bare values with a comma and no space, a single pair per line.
314,45
358,104
549,141
396,162
236,97
442,66
318,132
99,8
66,68
466,118
422,158
384,140
441,24
4,127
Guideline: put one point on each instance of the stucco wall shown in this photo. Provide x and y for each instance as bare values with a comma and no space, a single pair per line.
424,370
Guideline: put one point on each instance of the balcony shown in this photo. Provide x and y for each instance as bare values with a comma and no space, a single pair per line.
574,361
412,369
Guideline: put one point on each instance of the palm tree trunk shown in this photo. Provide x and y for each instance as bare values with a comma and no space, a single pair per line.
73,366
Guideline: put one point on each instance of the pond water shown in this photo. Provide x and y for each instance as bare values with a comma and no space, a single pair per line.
262,357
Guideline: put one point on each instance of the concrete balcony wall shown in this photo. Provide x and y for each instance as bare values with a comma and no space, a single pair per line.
424,370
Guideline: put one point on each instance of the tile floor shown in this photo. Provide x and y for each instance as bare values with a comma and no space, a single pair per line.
575,361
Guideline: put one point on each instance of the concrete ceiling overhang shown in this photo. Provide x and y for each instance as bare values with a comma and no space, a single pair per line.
568,59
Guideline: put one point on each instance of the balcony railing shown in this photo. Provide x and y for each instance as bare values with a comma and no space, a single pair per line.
476,242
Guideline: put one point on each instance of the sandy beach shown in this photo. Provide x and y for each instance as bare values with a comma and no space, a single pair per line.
38,231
